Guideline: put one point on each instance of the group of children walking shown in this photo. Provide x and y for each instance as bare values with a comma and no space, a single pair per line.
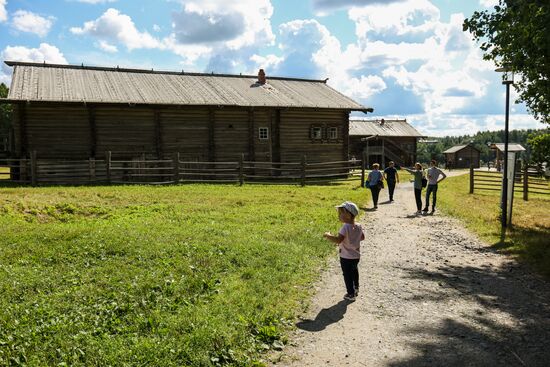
351,234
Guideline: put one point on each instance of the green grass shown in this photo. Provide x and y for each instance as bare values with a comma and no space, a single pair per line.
198,275
529,237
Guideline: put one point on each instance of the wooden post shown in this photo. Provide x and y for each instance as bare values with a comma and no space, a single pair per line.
241,170
526,182
363,164
108,165
383,155
211,135
303,173
92,169
471,178
93,131
176,164
158,134
34,169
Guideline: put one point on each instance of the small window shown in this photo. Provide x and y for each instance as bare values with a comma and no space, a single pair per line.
333,133
316,133
263,133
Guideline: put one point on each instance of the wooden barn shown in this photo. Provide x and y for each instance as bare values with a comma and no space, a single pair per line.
381,141
80,112
462,156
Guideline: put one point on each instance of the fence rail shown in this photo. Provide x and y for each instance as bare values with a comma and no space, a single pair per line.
36,171
527,181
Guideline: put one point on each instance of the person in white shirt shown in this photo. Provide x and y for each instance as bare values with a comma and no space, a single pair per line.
434,174
349,243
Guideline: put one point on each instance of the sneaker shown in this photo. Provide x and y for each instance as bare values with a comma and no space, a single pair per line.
349,297
425,210
418,212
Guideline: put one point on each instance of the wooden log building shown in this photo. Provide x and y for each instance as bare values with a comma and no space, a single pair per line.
80,112
382,141
462,156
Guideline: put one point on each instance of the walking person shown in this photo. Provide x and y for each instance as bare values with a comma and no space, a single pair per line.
392,177
418,174
349,244
433,179
375,183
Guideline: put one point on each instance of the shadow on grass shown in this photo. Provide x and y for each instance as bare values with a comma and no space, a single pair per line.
509,325
532,245
325,317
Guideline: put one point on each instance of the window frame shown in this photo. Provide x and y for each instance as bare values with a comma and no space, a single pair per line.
263,129
314,129
330,130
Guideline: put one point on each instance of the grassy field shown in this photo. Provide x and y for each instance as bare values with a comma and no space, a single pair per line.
529,237
170,276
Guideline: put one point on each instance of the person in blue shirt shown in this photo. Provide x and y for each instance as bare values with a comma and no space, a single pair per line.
392,177
375,179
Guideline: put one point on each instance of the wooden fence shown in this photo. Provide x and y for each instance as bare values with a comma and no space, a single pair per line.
527,180
35,171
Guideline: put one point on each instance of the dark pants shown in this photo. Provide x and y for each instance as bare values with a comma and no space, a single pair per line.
351,274
391,187
431,188
375,190
418,197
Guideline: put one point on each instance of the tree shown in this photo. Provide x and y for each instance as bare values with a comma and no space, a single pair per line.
516,35
5,109
540,148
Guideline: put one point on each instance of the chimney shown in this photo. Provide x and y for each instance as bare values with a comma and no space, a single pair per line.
261,77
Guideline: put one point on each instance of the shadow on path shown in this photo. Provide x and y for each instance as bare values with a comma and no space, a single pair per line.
325,317
509,327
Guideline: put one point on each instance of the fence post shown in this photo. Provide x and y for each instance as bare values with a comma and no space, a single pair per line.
363,164
92,168
34,167
176,164
241,169
471,179
303,173
108,165
526,182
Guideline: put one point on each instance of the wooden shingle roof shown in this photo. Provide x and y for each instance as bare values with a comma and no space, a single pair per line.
396,128
67,83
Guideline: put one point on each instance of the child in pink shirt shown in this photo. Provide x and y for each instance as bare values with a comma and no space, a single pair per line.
349,242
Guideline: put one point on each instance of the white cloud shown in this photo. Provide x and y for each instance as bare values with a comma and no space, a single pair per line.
3,11
44,53
322,6
114,26
399,18
156,28
488,3
26,21
455,125
107,47
237,23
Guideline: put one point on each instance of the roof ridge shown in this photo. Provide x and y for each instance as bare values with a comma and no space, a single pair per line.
147,71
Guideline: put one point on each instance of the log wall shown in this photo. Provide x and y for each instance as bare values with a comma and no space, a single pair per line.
198,133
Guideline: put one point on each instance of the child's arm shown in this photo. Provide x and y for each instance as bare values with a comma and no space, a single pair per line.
333,238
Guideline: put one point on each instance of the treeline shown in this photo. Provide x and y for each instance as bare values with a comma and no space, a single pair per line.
434,147
5,109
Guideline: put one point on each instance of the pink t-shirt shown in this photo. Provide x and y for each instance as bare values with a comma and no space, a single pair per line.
350,246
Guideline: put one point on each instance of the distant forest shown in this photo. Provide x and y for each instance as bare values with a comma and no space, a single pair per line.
435,147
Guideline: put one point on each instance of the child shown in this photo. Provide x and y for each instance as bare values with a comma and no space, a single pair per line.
349,241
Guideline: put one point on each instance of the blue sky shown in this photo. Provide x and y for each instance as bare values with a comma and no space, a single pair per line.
405,58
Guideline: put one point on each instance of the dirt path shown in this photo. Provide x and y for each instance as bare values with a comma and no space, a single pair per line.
431,295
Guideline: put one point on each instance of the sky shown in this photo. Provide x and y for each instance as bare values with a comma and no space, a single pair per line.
404,58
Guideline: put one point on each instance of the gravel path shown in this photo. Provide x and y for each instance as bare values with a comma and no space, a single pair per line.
431,295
